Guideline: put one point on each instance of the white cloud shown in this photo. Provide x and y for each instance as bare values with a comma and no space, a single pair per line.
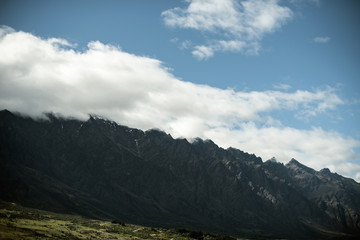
321,39
41,75
314,147
240,25
357,176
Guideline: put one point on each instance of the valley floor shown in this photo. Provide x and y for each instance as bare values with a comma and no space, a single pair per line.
17,222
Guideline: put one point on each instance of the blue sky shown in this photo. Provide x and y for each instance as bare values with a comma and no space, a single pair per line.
274,78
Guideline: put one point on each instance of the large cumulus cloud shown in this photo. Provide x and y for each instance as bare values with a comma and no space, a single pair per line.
50,75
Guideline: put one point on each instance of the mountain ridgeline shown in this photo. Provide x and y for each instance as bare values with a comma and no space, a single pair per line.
100,169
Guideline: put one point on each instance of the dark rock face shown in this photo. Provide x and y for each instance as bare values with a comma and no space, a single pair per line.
100,169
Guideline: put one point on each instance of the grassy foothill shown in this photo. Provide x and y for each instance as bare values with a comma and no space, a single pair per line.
17,222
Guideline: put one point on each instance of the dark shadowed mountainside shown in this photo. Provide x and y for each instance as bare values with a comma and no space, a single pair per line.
99,169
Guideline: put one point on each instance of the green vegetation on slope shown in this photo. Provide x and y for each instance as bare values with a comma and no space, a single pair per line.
17,222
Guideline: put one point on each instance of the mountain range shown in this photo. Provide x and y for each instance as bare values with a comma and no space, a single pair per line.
100,169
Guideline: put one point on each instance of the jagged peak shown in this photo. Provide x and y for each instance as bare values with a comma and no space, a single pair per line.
294,161
157,132
53,117
5,111
198,140
209,141
273,159
295,165
272,162
195,140
233,149
94,117
325,171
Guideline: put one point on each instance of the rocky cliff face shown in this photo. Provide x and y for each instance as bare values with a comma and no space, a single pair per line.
100,169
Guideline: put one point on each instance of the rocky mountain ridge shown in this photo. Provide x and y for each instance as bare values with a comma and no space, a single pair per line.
101,169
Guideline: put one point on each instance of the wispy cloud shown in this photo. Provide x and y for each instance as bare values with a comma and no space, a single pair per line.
203,52
321,39
38,75
282,86
234,26
185,44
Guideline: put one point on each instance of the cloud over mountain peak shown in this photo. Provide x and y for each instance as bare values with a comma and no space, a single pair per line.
50,75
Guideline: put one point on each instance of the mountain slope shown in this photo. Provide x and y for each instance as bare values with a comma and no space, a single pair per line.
100,169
